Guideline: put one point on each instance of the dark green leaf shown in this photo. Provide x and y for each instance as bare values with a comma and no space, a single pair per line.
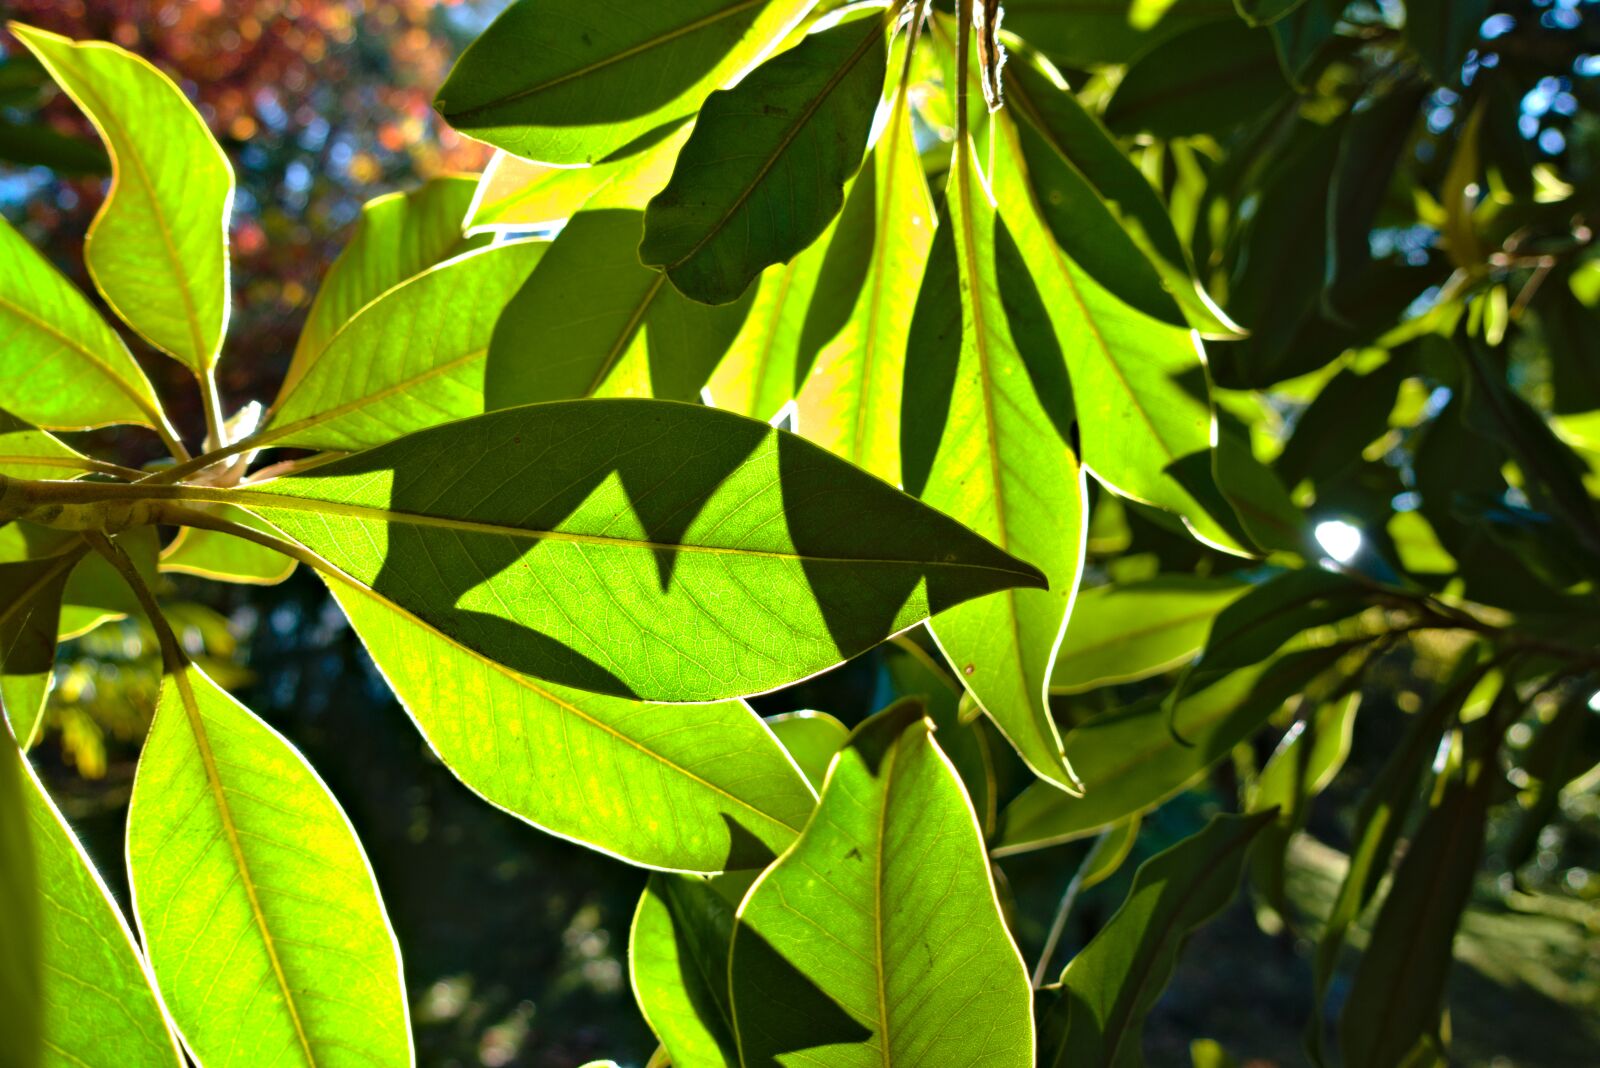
30,612
37,144
877,936
1263,12
1089,33
571,81
1205,80
1441,31
592,321
764,170
1096,1018
655,550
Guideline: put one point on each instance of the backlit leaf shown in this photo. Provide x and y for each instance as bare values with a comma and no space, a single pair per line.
850,402
1121,633
30,611
101,1009
764,170
876,939
213,555
571,81
256,904
983,430
26,452
687,788
61,364
21,950
398,236
661,551
591,320
158,247
413,357
811,739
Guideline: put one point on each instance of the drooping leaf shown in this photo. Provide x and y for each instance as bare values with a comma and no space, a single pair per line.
591,320
850,402
1096,1019
413,357
100,1005
877,937
811,739
515,195
686,788
1139,386
27,452
569,81
1122,633
983,434
1104,214
1397,996
21,943
764,170
61,364
661,551
30,612
1132,759
398,236
678,958
158,247
256,904
214,555
1205,80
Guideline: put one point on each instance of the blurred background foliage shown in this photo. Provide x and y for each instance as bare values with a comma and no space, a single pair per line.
515,942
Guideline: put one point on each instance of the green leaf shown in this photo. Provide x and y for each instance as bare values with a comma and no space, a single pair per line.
97,594
773,350
214,555
256,904
569,81
413,357
1132,759
1397,996
38,144
686,788
850,402
914,672
591,320
27,452
30,612
61,364
21,940
1206,80
1139,386
1109,851
983,433
1122,633
1301,35
811,739
1102,211
397,237
764,170
1083,34
515,196
1441,32
1265,12
654,550
1097,1017
877,937
100,1002
158,247
678,962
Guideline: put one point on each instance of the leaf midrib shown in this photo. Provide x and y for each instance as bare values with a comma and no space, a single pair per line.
601,64
144,405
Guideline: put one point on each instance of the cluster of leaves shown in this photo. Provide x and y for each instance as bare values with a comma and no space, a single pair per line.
973,270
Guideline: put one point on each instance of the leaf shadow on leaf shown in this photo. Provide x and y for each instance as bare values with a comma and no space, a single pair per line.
808,1019
745,850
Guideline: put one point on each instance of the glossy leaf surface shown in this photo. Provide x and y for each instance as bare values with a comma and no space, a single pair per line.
256,904
158,248
569,81
62,364
398,236
983,432
877,940
591,320
1097,1016
665,552
413,357
101,1009
1121,633
764,170
686,788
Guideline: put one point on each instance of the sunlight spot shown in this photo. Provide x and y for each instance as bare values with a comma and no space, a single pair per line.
1339,539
